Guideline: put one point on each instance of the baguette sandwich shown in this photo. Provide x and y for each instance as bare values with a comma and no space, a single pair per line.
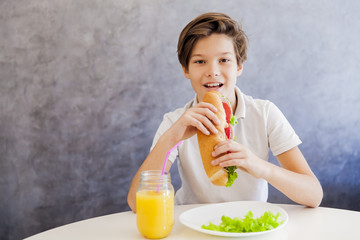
218,175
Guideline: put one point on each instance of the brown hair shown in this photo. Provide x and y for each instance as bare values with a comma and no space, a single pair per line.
205,25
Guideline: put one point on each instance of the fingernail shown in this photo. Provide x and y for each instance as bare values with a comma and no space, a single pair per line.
213,154
213,162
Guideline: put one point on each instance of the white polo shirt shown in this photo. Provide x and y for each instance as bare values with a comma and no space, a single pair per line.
261,126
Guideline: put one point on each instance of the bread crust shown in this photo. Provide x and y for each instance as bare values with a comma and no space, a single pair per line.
217,175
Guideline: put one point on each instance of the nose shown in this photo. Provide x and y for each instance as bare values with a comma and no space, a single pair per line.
213,70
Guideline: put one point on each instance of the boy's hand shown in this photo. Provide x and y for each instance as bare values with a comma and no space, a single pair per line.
201,117
231,153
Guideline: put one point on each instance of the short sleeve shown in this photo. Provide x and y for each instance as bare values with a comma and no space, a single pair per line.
281,135
168,120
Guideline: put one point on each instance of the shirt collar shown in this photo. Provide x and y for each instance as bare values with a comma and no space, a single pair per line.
240,110
240,107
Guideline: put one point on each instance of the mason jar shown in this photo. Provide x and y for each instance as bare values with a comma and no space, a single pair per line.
155,204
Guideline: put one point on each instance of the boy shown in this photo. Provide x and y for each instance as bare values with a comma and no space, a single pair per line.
212,50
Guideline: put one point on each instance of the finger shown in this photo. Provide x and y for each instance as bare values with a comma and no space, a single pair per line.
228,157
230,142
200,127
202,122
238,163
225,147
210,115
204,116
221,144
194,118
234,162
206,123
207,105
208,110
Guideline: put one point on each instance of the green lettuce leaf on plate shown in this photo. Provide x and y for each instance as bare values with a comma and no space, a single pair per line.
265,222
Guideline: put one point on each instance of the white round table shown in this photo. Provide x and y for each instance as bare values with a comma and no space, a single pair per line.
304,223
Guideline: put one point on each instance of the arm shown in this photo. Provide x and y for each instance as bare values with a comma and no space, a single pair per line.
294,178
201,117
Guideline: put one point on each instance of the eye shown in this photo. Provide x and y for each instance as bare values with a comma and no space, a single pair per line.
224,60
199,61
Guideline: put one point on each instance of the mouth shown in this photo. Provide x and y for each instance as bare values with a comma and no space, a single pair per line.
213,85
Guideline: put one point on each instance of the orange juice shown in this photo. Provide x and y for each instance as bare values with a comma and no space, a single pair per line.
155,212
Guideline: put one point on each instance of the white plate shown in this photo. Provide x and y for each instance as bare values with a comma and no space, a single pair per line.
196,217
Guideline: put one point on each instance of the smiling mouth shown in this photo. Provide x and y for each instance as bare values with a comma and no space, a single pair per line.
213,85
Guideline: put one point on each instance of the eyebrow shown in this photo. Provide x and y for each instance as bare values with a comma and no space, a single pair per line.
201,55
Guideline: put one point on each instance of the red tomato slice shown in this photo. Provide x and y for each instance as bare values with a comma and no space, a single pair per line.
228,130
227,111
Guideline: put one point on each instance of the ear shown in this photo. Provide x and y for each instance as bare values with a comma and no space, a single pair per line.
240,69
186,72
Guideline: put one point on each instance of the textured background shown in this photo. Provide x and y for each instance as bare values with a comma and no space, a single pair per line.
84,85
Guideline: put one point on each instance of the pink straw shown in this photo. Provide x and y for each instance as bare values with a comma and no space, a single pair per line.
167,156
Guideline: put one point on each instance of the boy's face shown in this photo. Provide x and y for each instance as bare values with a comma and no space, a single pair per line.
213,66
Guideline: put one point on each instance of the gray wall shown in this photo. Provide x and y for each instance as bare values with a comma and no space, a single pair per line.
84,85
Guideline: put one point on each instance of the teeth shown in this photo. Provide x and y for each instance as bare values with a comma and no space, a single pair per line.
213,85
